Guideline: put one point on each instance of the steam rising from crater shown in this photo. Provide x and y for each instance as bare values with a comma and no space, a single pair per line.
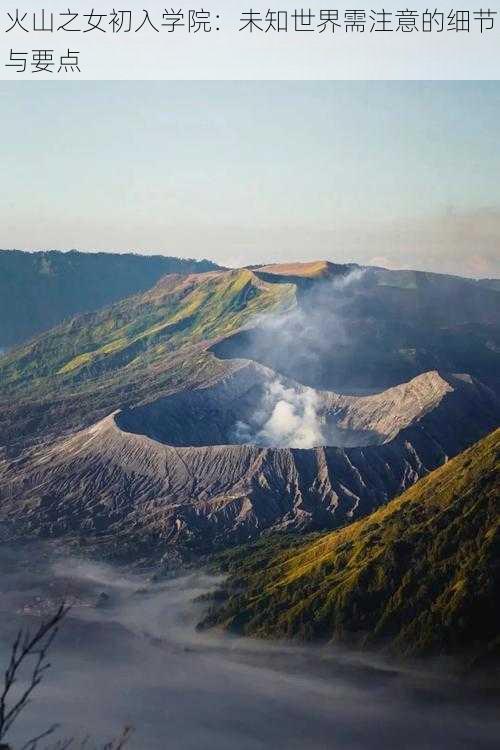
314,342
288,417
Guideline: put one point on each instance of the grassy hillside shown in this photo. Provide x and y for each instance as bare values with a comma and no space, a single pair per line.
39,290
138,348
421,574
178,310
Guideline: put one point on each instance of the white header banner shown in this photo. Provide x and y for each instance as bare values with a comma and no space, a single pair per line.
234,41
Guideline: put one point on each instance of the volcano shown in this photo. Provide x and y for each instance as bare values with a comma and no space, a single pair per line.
173,473
201,413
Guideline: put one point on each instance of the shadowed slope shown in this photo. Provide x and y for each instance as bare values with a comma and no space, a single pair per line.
356,329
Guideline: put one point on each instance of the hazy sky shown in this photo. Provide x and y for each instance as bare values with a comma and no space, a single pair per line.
401,174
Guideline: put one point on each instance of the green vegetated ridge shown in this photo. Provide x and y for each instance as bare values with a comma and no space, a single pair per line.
39,290
178,310
421,575
134,349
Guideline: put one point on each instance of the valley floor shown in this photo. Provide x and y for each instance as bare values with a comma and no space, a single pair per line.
139,659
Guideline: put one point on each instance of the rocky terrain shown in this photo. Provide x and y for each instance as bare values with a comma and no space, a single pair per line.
170,473
419,576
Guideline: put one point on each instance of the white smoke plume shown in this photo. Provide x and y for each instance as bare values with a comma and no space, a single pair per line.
298,343
287,417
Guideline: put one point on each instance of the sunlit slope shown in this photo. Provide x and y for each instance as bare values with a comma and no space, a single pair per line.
179,310
312,269
422,573
307,271
39,290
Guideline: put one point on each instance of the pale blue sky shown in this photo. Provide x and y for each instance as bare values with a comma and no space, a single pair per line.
242,172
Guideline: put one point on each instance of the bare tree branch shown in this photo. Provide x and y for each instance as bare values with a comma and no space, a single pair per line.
120,741
35,646
33,744
25,647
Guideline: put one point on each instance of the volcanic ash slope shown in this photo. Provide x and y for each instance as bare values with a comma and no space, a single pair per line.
178,471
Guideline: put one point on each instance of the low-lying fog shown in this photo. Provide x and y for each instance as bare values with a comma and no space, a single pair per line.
139,660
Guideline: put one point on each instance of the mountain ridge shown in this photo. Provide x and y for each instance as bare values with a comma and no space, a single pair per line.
40,289
206,447
365,329
419,576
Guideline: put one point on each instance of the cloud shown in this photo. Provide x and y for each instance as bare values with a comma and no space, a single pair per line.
464,244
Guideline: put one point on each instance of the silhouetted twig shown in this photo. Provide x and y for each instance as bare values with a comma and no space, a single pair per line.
36,646
28,646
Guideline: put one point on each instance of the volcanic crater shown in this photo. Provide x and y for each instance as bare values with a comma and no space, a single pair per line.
246,453
256,406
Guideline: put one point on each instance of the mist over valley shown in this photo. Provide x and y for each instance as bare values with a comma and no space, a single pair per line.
138,659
